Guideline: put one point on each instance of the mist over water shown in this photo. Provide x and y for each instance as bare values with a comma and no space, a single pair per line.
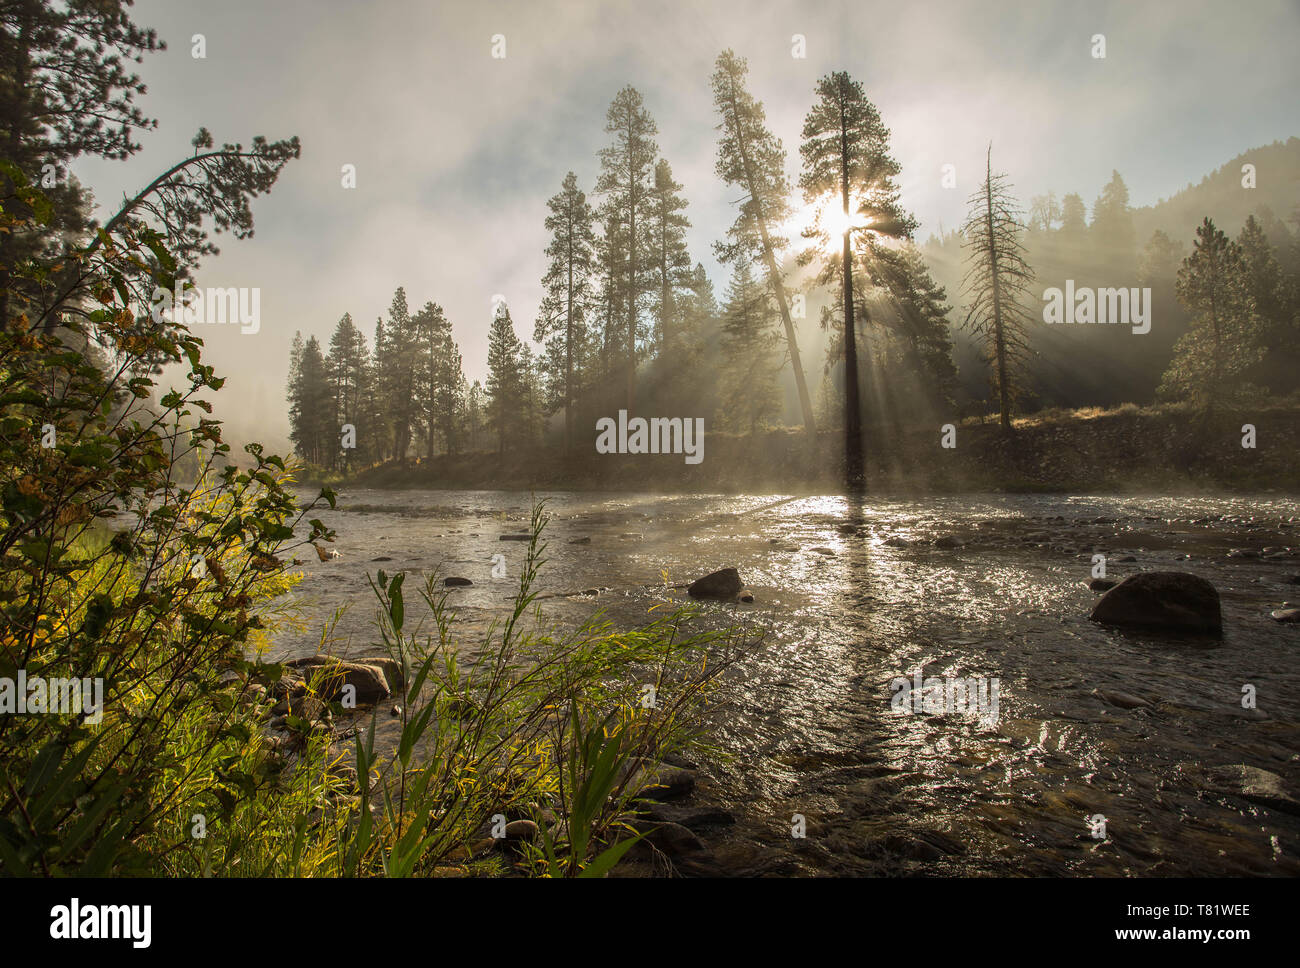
1132,726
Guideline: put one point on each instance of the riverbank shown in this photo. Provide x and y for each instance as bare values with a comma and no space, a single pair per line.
1125,450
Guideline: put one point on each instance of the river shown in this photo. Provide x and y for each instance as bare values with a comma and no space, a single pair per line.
851,599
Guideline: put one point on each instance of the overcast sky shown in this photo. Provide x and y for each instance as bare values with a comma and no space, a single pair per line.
457,152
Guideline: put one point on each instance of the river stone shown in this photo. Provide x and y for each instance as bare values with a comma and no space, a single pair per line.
691,818
1172,600
521,830
1102,584
1256,785
369,681
673,839
586,540
659,781
1287,615
515,537
719,584
1124,700
454,582
949,542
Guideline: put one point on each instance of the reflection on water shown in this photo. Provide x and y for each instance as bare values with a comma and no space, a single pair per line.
1091,721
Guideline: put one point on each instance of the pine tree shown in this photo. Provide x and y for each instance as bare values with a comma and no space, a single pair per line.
1074,220
848,168
397,392
915,317
474,408
310,405
750,353
996,285
438,377
1113,234
68,93
1212,357
377,393
562,318
505,380
345,373
750,156
669,260
625,168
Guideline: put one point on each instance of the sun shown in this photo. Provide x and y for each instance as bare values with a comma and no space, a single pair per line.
828,214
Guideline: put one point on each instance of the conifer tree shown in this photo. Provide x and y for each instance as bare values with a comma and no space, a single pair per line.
505,379
849,172
751,359
669,260
626,166
562,318
1212,357
997,286
751,157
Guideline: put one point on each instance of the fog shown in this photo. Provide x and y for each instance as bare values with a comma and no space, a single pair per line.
456,152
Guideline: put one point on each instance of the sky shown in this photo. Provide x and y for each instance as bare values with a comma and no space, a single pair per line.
456,152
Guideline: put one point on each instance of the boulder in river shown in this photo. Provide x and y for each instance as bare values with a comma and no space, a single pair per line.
1102,584
949,542
724,583
369,681
1289,616
1175,601
659,781
1255,785
453,582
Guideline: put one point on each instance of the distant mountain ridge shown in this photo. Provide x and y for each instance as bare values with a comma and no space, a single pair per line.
1220,195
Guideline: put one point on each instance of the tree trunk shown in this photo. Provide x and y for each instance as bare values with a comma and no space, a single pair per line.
853,460
774,279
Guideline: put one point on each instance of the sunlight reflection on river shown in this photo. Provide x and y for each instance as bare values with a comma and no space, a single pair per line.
851,598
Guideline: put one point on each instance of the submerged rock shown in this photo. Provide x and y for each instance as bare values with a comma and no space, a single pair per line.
1256,785
949,542
1124,700
724,583
453,582
515,537
672,839
584,540
1102,584
1173,600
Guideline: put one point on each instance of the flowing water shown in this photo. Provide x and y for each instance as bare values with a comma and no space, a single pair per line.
851,598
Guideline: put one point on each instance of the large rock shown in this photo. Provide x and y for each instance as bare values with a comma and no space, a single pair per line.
659,781
1255,785
332,676
725,583
1172,600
